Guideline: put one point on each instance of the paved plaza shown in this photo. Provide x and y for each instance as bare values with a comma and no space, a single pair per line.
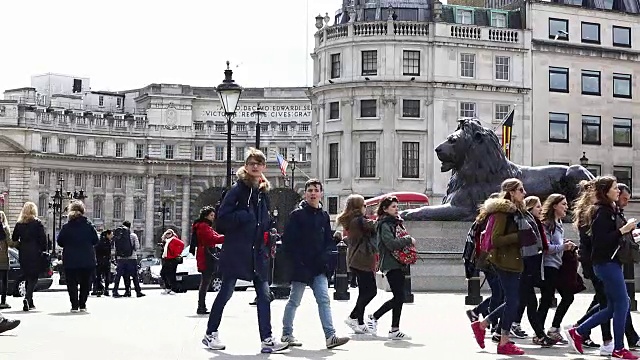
166,327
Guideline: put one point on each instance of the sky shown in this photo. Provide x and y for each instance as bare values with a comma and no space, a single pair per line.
128,44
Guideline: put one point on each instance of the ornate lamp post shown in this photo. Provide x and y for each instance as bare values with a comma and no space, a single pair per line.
229,93
257,113
164,210
293,163
57,206
584,160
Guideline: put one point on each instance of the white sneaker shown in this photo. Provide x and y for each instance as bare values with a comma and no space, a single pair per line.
171,292
213,342
166,291
270,345
398,335
291,340
351,323
372,324
606,349
335,341
361,329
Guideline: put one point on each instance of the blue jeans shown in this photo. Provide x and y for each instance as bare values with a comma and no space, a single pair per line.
263,304
491,303
510,283
320,288
617,302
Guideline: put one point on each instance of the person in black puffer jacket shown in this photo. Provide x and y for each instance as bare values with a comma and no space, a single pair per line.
103,267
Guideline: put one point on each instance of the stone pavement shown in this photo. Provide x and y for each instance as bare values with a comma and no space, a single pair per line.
166,327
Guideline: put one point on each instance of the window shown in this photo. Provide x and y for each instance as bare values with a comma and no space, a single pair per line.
265,151
79,180
367,159
411,62
239,153
302,154
558,79
334,110
594,169
168,151
119,102
368,108
77,85
467,110
221,128
370,14
118,181
332,205
621,36
283,128
198,152
411,108
558,127
590,82
168,184
264,128
284,151
42,177
139,182
622,85
501,111
410,160
100,100
498,19
139,151
591,129
369,62
138,209
335,66
198,126
117,208
467,65
219,153
62,146
622,132
590,33
97,208
558,29
624,175
241,127
119,150
99,148
43,203
464,16
80,146
304,128
3,175
334,161
502,67
44,144
97,181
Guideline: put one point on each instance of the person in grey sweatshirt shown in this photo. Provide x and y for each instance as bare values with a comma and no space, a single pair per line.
554,210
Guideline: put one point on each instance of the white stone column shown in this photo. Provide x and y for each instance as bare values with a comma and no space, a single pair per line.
186,197
149,221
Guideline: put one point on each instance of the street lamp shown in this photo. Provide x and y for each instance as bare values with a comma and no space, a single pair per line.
57,206
164,210
293,163
229,93
257,113
584,161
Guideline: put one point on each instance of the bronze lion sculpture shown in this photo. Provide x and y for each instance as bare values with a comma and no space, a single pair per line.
479,165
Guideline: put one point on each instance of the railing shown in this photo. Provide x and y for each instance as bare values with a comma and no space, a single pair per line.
370,29
54,104
411,29
465,32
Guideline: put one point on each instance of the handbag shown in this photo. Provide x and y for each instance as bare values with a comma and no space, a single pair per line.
179,260
407,255
628,251
45,261
212,256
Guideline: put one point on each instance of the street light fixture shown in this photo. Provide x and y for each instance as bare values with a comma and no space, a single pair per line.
57,206
229,93
164,210
293,163
584,160
257,113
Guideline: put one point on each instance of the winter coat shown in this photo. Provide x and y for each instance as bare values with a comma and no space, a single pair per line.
361,242
505,254
206,238
31,241
244,217
308,244
103,251
389,241
5,244
78,239
173,247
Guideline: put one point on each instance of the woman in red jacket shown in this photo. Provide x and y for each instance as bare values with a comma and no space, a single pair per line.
204,239
173,247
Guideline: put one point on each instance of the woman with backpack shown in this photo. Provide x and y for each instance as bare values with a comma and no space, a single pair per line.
361,257
203,243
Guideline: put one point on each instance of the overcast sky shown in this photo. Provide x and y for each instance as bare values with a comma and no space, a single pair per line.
127,44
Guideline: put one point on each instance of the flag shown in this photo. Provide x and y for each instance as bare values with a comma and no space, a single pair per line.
282,164
507,126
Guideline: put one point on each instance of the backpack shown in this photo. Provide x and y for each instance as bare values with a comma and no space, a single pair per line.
122,242
485,245
193,242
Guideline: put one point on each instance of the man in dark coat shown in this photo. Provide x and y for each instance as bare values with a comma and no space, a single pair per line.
244,219
103,264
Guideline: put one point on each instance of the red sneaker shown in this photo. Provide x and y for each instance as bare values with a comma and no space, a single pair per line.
623,354
575,340
478,333
509,349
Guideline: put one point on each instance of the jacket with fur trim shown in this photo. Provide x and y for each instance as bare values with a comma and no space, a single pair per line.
244,217
505,254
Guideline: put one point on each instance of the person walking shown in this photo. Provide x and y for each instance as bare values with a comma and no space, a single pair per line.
5,244
361,257
103,264
30,239
309,247
171,258
78,237
203,244
126,244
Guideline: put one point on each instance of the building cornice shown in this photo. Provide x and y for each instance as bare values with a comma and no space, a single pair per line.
568,48
421,85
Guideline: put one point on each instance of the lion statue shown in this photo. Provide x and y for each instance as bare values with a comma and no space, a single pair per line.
479,165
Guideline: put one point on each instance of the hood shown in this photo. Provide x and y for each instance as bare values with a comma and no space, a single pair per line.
499,205
78,221
243,175
305,205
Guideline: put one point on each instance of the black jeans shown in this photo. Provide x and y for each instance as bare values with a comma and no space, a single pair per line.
367,290
4,286
168,273
103,273
31,280
205,283
127,268
528,298
78,278
395,278
547,291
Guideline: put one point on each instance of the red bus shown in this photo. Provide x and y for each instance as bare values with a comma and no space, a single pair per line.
406,200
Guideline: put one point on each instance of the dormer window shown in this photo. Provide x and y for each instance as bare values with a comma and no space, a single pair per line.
464,16
498,19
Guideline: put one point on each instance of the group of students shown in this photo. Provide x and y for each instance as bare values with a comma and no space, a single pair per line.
309,249
519,245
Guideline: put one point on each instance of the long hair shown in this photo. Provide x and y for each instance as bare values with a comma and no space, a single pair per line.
548,213
352,209
583,204
530,202
384,205
205,211
76,209
507,187
598,191
28,213
5,223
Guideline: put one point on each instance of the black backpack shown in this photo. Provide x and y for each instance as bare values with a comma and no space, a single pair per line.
122,242
193,242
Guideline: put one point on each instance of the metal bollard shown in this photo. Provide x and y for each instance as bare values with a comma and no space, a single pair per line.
341,282
408,294
630,281
279,280
473,290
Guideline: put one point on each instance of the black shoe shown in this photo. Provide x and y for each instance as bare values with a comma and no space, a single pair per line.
5,306
6,325
544,341
587,342
140,295
106,293
127,294
25,305
472,316
202,311
95,293
116,295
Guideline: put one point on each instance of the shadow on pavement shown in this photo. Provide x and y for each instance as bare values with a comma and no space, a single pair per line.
68,313
310,354
22,312
402,344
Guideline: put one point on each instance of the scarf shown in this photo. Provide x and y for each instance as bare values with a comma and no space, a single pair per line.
528,234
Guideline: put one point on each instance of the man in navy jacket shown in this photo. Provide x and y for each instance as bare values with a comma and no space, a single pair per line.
244,219
309,246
